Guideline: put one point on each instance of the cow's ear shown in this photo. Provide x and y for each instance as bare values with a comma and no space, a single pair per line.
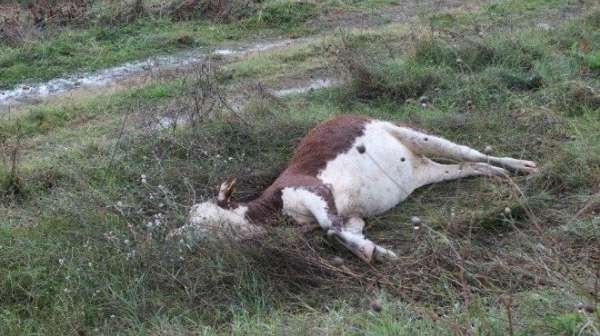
225,191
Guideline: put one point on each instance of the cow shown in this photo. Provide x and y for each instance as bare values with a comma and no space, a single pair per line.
344,170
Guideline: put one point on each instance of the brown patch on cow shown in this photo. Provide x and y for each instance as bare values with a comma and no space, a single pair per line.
262,209
324,142
321,145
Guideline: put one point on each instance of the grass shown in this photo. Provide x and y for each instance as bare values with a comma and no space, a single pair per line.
82,240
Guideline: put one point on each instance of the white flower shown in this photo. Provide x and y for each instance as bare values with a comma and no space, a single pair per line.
143,178
120,204
110,236
61,261
130,255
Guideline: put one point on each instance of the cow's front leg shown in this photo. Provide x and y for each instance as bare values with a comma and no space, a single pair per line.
349,233
316,204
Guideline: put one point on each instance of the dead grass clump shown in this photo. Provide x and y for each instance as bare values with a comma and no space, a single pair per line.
218,10
472,56
109,12
59,12
576,97
12,31
517,81
11,184
19,22
390,78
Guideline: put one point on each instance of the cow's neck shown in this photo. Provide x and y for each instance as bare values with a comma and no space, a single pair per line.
263,209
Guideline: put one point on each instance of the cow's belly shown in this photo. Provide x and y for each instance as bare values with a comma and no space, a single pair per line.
374,181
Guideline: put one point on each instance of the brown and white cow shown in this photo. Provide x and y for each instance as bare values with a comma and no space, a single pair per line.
345,169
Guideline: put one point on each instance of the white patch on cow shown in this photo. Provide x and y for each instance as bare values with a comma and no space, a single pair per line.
370,181
305,206
354,225
207,219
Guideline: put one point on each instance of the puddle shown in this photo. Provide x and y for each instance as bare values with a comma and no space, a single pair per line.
256,47
27,93
314,84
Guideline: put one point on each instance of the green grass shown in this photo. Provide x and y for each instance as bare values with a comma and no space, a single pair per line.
77,255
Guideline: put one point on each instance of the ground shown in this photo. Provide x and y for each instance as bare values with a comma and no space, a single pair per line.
91,180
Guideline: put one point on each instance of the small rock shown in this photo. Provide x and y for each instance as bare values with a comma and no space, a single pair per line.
423,100
544,26
415,220
487,150
507,211
581,307
377,305
481,34
337,261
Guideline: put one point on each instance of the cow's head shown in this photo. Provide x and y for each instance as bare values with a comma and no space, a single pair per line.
220,218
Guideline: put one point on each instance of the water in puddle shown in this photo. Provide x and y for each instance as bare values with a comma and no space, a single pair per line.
318,83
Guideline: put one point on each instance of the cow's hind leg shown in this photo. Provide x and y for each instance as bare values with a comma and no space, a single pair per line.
432,172
433,146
